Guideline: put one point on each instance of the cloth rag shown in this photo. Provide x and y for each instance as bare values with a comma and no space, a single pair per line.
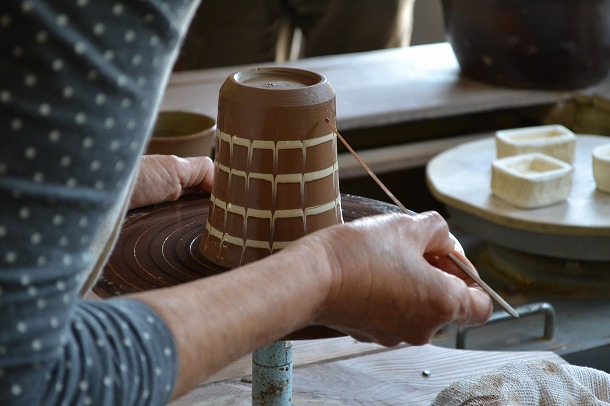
539,382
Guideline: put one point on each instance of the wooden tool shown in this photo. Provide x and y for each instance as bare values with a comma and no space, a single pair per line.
452,255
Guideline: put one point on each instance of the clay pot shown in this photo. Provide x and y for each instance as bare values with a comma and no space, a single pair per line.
276,174
182,133
547,44
601,167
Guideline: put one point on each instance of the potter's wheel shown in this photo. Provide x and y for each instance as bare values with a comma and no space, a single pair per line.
556,246
461,178
159,247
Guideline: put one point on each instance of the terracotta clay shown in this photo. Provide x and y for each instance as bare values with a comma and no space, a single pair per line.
158,247
276,174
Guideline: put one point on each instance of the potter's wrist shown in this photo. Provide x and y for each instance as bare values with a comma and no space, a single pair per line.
328,267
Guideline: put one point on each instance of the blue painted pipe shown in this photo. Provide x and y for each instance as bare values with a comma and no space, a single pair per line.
272,375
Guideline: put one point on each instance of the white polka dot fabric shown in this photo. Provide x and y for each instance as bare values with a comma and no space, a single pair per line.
80,81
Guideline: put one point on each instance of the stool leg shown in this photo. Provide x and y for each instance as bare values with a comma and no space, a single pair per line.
272,375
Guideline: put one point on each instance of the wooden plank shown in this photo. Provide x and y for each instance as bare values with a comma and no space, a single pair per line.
305,352
376,88
392,377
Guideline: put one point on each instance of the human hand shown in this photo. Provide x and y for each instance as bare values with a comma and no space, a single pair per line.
393,281
384,279
163,178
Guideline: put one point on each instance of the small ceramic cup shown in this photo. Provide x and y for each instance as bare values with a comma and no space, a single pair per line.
553,140
531,180
182,133
601,167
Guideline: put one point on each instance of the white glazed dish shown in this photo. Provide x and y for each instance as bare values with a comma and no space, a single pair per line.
531,180
554,140
601,167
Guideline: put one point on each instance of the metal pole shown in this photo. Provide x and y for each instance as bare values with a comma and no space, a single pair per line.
272,375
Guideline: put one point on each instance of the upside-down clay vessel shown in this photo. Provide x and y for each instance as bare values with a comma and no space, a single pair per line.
276,173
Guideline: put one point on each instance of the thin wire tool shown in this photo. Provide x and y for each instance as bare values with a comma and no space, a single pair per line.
452,255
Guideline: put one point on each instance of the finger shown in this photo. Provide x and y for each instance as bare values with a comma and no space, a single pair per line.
473,306
153,182
434,232
451,299
479,307
456,244
197,175
447,264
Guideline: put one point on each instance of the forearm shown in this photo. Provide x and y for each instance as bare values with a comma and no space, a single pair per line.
368,278
216,320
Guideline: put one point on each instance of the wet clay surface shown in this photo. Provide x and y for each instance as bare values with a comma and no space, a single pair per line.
275,169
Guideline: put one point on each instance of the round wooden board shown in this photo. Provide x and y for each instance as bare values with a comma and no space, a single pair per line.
159,247
461,177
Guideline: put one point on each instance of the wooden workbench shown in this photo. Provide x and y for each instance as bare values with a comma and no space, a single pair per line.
384,88
341,371
381,87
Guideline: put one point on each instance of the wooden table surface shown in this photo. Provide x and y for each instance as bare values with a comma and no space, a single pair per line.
340,371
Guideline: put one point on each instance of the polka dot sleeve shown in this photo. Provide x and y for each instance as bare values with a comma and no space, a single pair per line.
80,81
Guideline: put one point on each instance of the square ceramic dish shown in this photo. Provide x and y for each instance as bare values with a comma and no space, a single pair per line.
601,167
553,140
531,180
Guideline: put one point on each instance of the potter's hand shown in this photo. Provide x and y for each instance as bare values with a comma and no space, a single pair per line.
163,178
379,279
392,280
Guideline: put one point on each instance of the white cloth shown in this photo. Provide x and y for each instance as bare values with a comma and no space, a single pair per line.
539,382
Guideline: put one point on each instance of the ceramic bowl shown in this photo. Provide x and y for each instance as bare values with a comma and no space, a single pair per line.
553,140
601,167
531,180
182,133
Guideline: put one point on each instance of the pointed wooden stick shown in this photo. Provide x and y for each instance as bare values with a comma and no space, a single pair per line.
452,255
